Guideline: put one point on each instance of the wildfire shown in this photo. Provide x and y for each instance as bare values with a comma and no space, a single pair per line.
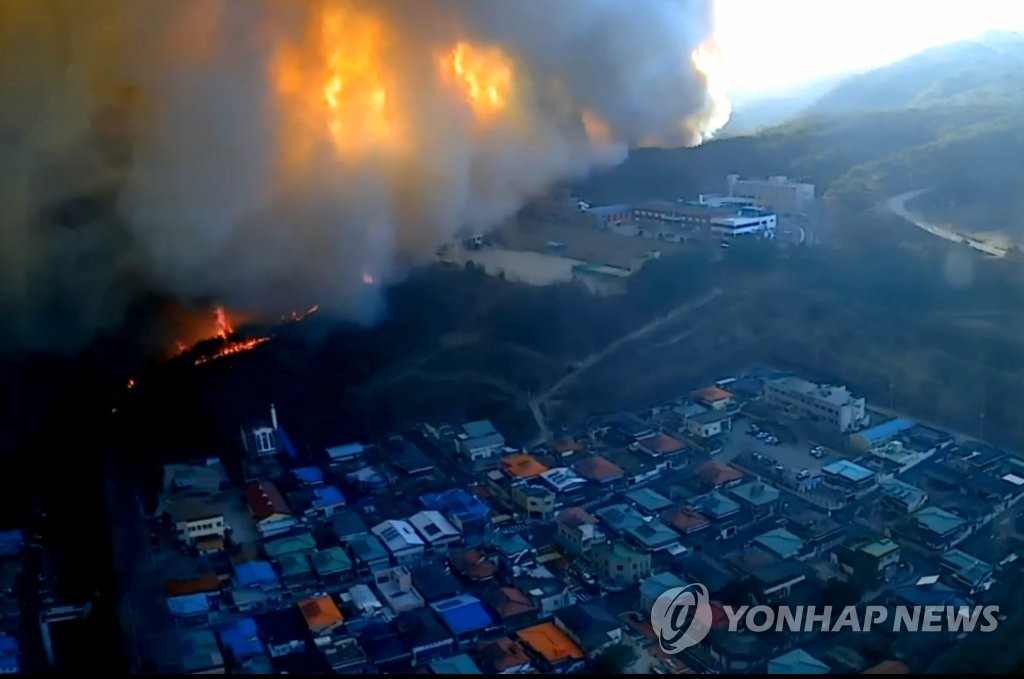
224,329
598,133
484,73
232,348
709,61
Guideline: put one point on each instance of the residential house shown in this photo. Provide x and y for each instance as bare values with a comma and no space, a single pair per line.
522,466
817,529
937,528
437,532
361,608
685,519
599,470
296,571
283,631
848,476
637,467
457,664
198,653
655,585
563,480
868,559
515,609
714,397
775,579
514,553
190,606
966,572
760,498
387,649
648,501
332,564
710,423
503,656
797,661
269,509
902,496
590,626
479,441
553,649
632,428
401,540
547,594
321,614
435,581
473,565
566,447
396,589
345,454
426,636
466,617
347,524
663,447
780,543
467,512
577,530
717,475
295,543
408,458
975,457
536,501
240,639
196,519
620,564
368,552
257,575
368,480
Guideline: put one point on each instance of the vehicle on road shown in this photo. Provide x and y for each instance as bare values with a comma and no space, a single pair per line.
804,474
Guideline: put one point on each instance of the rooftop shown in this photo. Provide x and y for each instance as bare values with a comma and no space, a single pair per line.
648,500
900,490
473,564
198,651
432,526
886,430
254,573
968,567
508,602
308,475
756,493
562,479
590,623
331,561
599,469
685,519
522,466
575,516
550,643
876,547
938,520
479,429
321,614
289,544
711,416
241,638
661,444
457,664
397,535
847,470
780,542
797,661
715,505
502,654
367,547
463,614
712,394
713,473
265,500
345,452
834,395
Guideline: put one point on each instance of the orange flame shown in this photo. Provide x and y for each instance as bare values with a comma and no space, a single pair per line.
484,73
224,329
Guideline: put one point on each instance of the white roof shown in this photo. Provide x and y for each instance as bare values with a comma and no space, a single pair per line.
1014,479
397,535
928,580
562,478
432,526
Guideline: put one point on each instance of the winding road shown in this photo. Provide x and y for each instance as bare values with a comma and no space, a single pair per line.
898,206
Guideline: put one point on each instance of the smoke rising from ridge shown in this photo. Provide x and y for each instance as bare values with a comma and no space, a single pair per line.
272,154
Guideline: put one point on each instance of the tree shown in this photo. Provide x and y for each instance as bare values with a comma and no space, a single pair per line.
615,659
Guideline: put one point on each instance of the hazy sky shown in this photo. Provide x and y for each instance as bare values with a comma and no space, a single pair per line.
774,44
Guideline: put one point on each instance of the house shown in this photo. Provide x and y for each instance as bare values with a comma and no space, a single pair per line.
514,608
426,636
260,439
566,447
479,441
503,656
368,552
269,509
868,559
197,518
401,540
468,513
797,661
714,398
296,570
562,480
661,445
620,564
322,614
522,466
387,650
902,496
817,529
368,480
513,552
599,470
716,506
757,496
553,649
577,530
437,532
347,524
590,626
536,501
198,653
189,606
775,579
396,588
938,528
710,423
685,519
473,565
241,640
344,454
295,543
637,467
848,476
876,437
975,457
308,476
717,475
546,594
434,581
325,501
648,501
780,543
466,617
408,458
632,428
655,585
457,664
967,572
256,575
361,605
332,564
708,571
652,535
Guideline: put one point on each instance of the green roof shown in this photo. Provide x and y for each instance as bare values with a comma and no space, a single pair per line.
291,544
938,520
968,567
294,565
879,548
332,560
459,664
781,542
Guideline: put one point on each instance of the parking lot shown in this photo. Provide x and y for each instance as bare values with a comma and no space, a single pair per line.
793,454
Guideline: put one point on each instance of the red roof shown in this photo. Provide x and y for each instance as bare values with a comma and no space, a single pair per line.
715,474
473,564
662,444
712,394
208,582
566,446
508,601
265,500
502,654
685,519
575,516
597,468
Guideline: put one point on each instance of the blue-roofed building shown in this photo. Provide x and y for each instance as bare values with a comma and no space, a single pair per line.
848,475
797,661
9,661
479,441
780,543
256,574
466,617
348,452
11,542
189,605
241,639
327,500
457,664
879,435
466,511
310,476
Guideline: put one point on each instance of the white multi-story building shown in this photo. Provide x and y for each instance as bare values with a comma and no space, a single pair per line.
778,193
749,221
832,404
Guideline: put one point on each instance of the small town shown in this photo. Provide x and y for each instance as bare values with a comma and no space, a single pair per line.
449,549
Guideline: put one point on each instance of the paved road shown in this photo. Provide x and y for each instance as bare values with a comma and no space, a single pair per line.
898,206
538,403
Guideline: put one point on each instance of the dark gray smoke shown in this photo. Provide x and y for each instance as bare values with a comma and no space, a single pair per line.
273,154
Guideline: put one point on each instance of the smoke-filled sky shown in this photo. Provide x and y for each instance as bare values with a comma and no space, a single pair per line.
273,154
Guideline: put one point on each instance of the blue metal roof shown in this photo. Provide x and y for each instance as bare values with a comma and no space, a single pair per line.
188,605
309,475
458,664
242,638
463,614
328,496
848,470
456,502
881,432
252,573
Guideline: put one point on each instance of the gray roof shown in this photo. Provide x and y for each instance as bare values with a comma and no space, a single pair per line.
648,500
756,493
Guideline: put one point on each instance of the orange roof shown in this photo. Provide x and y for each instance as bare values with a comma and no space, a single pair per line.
888,667
550,642
597,468
712,394
661,444
569,445
208,582
321,613
715,474
575,516
522,466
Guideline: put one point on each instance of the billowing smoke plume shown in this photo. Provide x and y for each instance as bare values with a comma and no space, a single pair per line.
272,154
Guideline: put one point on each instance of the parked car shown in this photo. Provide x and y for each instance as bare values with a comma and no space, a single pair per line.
804,474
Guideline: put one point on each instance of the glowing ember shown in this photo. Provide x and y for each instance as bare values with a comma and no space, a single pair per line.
224,328
131,383
232,348
485,75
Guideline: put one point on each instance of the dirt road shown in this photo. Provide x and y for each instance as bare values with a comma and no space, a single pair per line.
898,206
